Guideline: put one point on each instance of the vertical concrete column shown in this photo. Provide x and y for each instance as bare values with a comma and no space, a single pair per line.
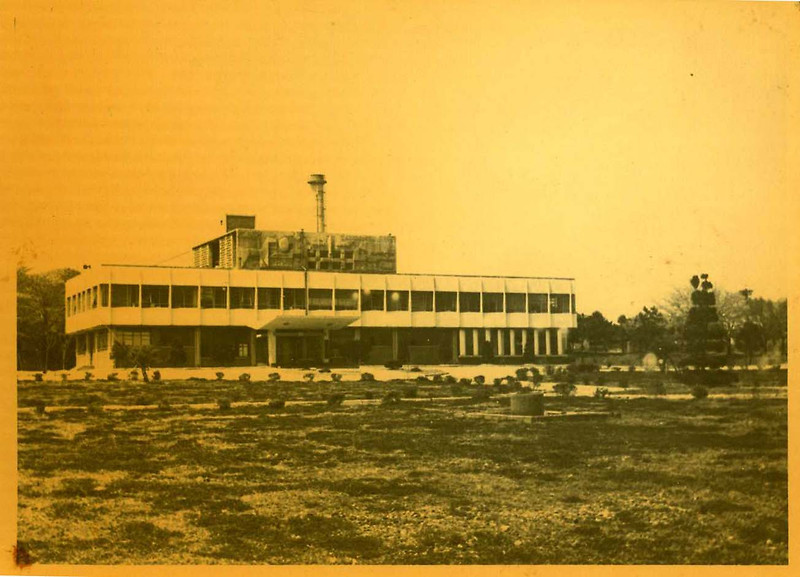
513,342
455,347
252,348
547,343
272,348
326,344
535,342
562,337
395,345
196,346
501,343
475,342
462,343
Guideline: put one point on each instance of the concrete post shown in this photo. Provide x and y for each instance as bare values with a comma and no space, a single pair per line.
547,343
501,343
395,345
524,341
272,348
462,343
196,346
560,341
536,342
475,342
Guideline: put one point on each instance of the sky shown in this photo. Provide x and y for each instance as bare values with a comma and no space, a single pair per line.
630,145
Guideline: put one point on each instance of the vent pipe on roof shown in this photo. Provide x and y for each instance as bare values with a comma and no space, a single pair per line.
317,183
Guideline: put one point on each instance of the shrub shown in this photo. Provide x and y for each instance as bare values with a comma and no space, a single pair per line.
438,378
369,395
335,400
522,374
391,398
274,377
498,381
479,379
324,370
244,378
40,407
156,375
464,381
368,377
64,377
336,377
224,404
600,393
564,389
415,370
112,377
276,404
134,375
87,376
549,370
410,392
422,379
712,378
658,388
37,377
393,365
450,379
220,375
699,392
309,377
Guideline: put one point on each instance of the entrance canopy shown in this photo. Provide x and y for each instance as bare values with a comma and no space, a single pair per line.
295,323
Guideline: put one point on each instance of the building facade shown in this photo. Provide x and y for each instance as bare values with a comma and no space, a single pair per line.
310,299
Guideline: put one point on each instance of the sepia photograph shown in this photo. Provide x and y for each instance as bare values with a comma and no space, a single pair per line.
315,283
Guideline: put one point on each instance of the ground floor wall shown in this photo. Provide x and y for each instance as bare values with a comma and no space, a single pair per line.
242,346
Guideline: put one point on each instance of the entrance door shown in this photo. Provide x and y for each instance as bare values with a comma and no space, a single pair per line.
298,349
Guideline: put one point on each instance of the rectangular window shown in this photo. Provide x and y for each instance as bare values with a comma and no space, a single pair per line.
102,340
469,302
446,301
320,299
132,338
515,302
372,300
155,296
346,300
243,297
94,297
421,301
103,295
537,302
559,303
243,349
184,297
80,344
74,304
213,297
124,295
492,302
269,298
294,299
397,301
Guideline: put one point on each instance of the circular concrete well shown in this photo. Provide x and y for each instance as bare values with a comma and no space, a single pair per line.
527,404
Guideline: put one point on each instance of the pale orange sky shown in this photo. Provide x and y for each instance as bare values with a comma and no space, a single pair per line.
629,145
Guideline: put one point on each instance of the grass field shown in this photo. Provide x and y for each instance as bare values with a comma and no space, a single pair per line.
669,481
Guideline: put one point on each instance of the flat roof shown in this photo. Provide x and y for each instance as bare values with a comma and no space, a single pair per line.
292,232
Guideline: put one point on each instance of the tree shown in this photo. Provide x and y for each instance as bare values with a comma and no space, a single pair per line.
703,331
41,340
595,329
750,338
649,331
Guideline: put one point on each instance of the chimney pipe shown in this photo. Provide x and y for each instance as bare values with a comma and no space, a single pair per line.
317,183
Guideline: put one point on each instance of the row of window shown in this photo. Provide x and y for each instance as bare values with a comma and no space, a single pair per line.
219,297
